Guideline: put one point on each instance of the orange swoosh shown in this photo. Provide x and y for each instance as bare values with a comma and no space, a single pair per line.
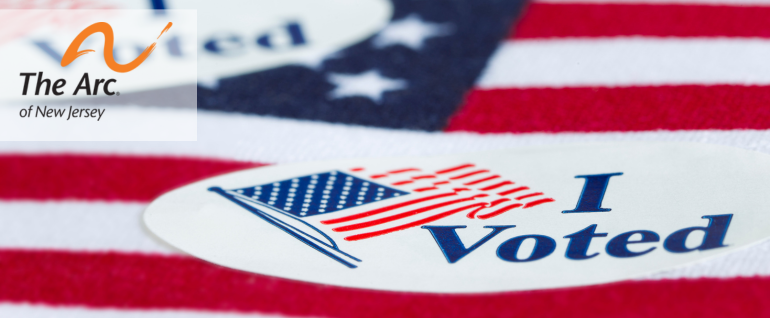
72,51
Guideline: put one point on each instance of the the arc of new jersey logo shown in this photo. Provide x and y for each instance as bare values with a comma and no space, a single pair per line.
72,51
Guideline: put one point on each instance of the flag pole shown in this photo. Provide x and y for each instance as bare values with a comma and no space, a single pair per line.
296,233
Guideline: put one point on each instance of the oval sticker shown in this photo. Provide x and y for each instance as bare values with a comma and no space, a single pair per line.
520,219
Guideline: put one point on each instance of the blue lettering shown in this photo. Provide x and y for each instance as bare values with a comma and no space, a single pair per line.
158,4
451,245
593,193
544,246
174,49
48,50
714,235
293,29
580,241
224,44
618,246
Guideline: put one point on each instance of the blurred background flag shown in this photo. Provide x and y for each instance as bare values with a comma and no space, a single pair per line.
435,77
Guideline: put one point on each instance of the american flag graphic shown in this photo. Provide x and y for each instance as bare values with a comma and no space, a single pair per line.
437,194
501,76
434,196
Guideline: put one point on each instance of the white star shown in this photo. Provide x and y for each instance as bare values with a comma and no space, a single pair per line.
369,84
411,32
314,59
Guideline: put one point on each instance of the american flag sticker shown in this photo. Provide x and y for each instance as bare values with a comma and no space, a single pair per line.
522,219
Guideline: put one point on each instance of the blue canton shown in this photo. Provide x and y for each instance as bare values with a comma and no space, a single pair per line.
319,193
417,70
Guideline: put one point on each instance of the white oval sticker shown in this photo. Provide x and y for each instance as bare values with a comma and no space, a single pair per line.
510,220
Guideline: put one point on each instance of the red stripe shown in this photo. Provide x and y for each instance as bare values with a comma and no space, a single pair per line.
684,107
529,195
495,186
504,193
500,211
498,201
492,204
403,170
386,209
476,210
481,180
402,182
424,177
468,174
412,224
102,177
538,202
133,281
550,20
425,189
448,170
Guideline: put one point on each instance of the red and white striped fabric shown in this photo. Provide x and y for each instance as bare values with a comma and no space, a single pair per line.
72,243
572,67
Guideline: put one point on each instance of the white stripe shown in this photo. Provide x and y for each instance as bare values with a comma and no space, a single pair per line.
273,140
627,61
38,311
66,225
80,226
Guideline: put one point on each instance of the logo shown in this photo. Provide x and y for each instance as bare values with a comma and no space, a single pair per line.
109,39
84,84
56,94
511,220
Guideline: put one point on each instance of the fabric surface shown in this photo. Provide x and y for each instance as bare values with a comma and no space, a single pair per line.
71,239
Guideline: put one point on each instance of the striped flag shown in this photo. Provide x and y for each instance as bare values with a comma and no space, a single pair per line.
589,67
72,243
415,197
438,194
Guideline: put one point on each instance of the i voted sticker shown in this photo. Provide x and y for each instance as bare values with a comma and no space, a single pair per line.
522,219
